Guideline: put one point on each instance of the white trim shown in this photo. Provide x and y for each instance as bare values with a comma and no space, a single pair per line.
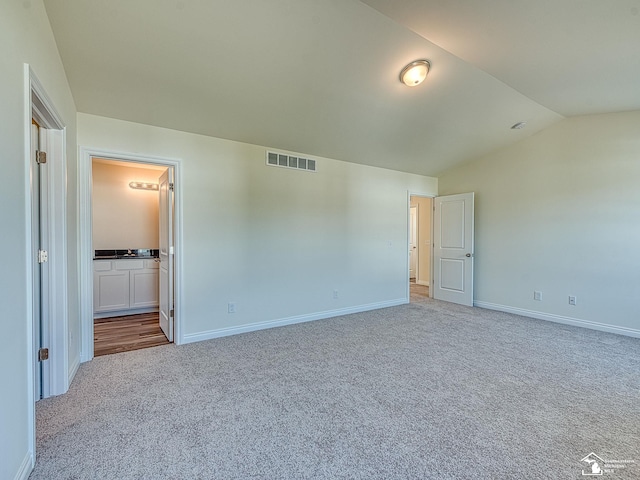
57,246
38,104
252,327
25,468
131,311
85,247
73,368
53,134
27,463
85,244
603,327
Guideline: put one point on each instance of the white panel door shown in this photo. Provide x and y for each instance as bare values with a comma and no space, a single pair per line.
166,253
453,248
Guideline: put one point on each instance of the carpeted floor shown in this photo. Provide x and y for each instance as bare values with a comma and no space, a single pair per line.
420,391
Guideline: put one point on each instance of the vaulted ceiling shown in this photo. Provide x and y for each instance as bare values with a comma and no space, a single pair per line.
320,77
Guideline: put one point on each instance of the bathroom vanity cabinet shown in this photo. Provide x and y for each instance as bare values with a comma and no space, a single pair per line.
125,286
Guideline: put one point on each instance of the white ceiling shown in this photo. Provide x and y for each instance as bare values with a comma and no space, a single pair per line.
575,57
320,77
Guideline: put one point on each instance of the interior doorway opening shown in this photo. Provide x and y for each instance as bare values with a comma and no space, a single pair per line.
47,243
129,228
420,247
122,286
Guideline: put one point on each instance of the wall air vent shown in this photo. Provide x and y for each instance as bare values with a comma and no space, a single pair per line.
276,159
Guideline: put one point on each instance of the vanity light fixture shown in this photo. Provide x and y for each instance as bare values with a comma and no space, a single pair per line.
143,186
415,73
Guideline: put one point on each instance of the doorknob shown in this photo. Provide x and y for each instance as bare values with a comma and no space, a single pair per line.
468,255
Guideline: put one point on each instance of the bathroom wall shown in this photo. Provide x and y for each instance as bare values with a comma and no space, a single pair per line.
122,216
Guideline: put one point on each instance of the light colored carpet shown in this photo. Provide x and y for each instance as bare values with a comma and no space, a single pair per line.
419,391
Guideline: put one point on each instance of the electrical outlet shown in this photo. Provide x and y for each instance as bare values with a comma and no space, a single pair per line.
537,295
572,300
335,294
231,308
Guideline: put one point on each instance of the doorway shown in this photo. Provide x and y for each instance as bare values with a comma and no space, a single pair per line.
420,246
49,370
124,225
126,263
47,240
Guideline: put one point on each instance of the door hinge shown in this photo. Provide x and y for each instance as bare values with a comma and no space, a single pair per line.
43,256
171,313
43,354
171,187
41,157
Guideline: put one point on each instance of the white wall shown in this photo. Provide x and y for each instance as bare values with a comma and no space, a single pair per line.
275,241
25,37
124,217
559,212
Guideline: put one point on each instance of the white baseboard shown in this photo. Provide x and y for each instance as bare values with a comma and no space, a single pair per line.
25,469
603,327
252,327
120,313
73,368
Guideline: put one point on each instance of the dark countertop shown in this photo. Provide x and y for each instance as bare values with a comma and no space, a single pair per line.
129,253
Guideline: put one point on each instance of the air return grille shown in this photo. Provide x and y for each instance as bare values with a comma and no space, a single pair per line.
276,159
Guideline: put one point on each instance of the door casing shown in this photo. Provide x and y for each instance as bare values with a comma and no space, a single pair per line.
56,372
85,243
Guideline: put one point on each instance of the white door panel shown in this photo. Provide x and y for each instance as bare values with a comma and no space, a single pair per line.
166,253
453,230
453,235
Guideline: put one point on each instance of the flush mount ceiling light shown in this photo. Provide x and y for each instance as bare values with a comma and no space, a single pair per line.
415,73
518,126
143,186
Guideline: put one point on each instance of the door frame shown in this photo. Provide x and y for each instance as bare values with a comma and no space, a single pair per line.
85,240
38,106
432,197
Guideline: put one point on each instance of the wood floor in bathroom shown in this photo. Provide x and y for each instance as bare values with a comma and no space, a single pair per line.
123,334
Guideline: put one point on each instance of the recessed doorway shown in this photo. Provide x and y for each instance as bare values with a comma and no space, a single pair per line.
126,263
420,246
129,253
